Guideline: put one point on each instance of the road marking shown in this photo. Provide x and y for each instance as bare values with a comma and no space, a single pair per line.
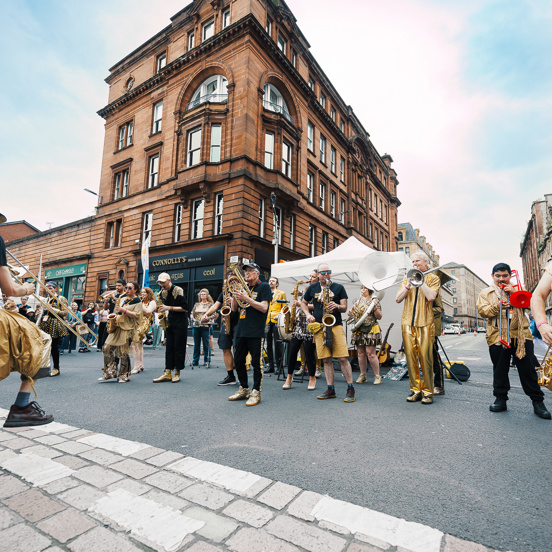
395,531
36,469
113,444
469,358
146,519
237,481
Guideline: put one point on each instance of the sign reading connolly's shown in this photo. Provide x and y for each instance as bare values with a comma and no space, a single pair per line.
199,257
65,271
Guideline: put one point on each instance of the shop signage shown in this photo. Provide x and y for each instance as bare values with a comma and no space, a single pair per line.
65,271
209,273
188,259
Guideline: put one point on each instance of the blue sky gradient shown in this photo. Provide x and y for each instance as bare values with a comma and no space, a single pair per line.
458,92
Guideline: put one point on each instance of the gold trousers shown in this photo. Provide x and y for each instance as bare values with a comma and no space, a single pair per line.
418,348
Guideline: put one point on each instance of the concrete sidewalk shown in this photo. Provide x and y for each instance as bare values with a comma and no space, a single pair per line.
65,488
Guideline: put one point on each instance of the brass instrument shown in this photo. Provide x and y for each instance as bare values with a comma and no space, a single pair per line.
293,315
111,325
328,319
416,277
545,370
46,306
161,316
236,282
225,311
107,295
361,309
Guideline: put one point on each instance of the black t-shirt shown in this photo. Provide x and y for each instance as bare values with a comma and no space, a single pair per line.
312,295
234,315
3,259
176,318
88,316
252,322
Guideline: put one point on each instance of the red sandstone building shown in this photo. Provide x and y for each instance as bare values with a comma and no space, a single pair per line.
219,111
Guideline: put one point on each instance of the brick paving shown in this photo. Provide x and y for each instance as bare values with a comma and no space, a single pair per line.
64,488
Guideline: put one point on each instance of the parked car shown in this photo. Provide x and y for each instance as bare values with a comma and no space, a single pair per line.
450,330
481,329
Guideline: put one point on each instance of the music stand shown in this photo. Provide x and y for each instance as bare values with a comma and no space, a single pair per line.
448,360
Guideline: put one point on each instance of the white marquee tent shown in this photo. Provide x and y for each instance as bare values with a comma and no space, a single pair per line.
344,261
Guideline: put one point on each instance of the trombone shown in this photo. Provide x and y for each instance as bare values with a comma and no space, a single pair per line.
416,277
46,305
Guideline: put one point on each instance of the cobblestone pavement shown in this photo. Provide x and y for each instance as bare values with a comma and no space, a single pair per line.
65,488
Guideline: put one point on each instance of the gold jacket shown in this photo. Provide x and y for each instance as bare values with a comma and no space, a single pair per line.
488,306
274,308
424,308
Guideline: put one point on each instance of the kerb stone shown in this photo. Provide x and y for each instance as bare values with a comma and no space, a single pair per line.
249,513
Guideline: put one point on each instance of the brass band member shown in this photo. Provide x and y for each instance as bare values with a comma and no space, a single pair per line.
175,308
521,343
148,308
336,304
274,309
250,333
301,338
367,338
21,350
117,344
201,328
225,340
418,329
54,327
538,301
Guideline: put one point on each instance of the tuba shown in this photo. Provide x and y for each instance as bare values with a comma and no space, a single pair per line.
225,311
236,282
545,371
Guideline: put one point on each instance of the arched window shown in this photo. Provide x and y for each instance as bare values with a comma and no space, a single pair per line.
274,101
213,89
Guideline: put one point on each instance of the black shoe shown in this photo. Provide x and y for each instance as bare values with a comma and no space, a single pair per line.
269,370
30,415
540,410
350,396
228,380
499,405
414,397
328,394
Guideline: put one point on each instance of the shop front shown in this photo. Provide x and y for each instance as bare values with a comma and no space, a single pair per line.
71,281
192,271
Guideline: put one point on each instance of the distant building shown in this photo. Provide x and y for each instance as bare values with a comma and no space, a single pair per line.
536,247
18,229
465,291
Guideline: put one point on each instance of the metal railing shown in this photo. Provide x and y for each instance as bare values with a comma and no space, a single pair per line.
211,98
278,109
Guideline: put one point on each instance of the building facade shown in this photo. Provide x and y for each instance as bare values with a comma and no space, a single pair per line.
15,230
223,138
536,247
465,291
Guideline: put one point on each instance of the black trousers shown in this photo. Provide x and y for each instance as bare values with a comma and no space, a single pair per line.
500,357
102,334
438,379
55,351
253,345
175,347
271,337
310,350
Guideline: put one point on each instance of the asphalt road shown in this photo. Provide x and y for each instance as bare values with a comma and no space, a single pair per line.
452,465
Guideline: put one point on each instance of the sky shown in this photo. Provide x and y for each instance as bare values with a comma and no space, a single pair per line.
458,92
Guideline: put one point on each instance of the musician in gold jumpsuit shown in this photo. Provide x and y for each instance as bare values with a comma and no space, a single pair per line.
418,329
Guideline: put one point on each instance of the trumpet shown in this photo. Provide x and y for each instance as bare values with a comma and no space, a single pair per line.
47,306
416,277
107,295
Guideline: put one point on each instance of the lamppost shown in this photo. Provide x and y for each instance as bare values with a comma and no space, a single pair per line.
276,238
98,196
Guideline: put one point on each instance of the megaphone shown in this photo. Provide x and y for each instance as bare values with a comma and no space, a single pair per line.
378,271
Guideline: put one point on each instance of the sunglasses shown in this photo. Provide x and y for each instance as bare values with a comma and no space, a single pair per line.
324,272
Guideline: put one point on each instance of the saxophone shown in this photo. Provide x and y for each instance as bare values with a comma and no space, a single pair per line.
225,310
545,371
236,282
161,316
328,319
111,325
290,313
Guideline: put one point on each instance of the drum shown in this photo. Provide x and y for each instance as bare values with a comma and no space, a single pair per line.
300,331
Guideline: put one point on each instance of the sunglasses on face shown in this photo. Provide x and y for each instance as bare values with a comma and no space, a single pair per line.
325,272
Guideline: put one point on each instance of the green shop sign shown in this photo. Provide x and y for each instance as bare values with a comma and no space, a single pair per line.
66,271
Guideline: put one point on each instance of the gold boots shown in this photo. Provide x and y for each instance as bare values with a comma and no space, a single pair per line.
254,398
176,377
165,377
240,395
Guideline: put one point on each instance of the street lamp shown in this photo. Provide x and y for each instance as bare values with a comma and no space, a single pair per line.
276,227
90,191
